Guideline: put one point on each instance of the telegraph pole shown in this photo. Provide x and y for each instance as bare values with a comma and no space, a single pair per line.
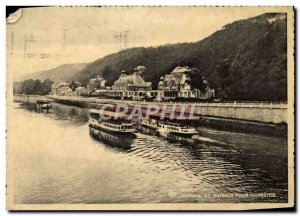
12,43
25,46
64,38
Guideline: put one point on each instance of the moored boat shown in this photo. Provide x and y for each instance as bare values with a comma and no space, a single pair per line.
169,127
177,129
150,123
112,139
42,104
108,121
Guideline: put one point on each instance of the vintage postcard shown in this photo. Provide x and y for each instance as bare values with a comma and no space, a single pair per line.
150,108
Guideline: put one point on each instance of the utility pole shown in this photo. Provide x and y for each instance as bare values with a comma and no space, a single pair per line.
28,41
12,43
122,38
125,38
25,46
64,38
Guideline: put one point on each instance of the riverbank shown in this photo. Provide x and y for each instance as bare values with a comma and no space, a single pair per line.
266,112
213,122
235,125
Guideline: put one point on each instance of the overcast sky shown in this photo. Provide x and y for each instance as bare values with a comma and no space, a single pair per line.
44,38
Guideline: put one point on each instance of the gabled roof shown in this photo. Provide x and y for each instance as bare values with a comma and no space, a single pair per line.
97,79
180,69
134,79
173,77
124,78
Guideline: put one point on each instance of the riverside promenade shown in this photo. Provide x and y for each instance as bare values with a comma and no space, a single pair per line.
248,111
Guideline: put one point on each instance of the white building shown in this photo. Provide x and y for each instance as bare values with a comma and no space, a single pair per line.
177,84
81,91
60,88
131,86
96,83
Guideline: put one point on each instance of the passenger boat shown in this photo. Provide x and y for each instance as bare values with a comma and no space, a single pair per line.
169,127
181,130
150,123
42,104
119,125
112,139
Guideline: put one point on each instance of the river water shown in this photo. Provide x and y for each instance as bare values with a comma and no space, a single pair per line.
56,160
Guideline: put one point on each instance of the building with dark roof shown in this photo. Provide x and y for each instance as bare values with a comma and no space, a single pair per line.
131,86
96,83
177,84
132,82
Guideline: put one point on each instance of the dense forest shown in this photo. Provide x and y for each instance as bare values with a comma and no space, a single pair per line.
245,60
33,87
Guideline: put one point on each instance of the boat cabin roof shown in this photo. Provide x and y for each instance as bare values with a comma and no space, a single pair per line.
42,101
175,119
108,113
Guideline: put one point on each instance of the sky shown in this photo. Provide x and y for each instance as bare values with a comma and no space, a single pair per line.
44,38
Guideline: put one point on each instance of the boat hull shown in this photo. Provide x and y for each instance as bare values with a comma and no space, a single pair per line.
183,134
176,133
149,126
112,139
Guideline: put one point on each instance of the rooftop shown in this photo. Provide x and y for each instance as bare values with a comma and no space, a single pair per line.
96,79
134,79
180,69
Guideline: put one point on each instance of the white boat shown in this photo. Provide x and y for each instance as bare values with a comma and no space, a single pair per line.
150,123
185,130
170,127
120,125
42,104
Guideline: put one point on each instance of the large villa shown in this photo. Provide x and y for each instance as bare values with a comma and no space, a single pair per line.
132,82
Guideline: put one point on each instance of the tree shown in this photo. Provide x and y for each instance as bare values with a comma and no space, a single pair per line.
28,87
197,81
73,85
47,84
38,88
33,87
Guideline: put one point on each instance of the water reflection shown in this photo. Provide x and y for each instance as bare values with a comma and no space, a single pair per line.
65,112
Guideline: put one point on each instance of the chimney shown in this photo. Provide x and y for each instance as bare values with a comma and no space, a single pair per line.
123,72
139,69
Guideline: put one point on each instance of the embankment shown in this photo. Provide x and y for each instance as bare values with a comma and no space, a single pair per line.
258,118
236,125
